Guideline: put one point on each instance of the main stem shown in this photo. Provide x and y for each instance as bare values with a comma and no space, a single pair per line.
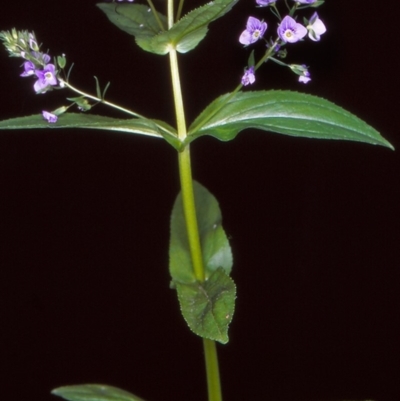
189,208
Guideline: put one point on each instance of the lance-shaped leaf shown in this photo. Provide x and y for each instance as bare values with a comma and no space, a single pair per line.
214,243
154,128
208,307
282,112
94,392
135,19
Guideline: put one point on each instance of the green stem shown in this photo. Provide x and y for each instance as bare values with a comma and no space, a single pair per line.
213,380
189,208
170,13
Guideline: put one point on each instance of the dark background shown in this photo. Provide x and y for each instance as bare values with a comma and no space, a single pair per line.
314,225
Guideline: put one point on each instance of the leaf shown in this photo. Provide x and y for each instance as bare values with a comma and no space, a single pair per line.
134,19
215,245
208,307
154,128
282,112
185,34
94,392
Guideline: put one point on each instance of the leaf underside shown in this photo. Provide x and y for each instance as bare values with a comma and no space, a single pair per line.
94,392
154,128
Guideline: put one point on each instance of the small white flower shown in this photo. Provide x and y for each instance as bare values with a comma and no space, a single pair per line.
315,28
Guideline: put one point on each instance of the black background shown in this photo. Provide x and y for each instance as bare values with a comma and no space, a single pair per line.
314,225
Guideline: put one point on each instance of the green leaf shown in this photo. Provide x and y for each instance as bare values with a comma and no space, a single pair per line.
282,112
154,128
215,245
94,392
208,307
185,35
134,19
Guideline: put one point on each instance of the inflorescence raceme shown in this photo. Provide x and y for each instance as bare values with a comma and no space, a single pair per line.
288,31
37,64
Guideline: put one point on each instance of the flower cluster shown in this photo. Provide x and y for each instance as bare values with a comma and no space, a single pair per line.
288,31
24,44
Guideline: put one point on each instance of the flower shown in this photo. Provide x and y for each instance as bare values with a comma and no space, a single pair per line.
305,1
46,77
291,31
255,29
264,3
306,77
248,76
302,72
315,28
29,68
49,117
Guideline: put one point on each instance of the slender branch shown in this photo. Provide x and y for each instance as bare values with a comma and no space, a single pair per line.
115,106
179,12
156,16
97,99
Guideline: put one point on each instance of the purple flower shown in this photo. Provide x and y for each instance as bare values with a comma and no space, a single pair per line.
255,29
46,77
305,1
302,72
248,76
29,68
49,117
306,77
264,3
291,31
315,28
